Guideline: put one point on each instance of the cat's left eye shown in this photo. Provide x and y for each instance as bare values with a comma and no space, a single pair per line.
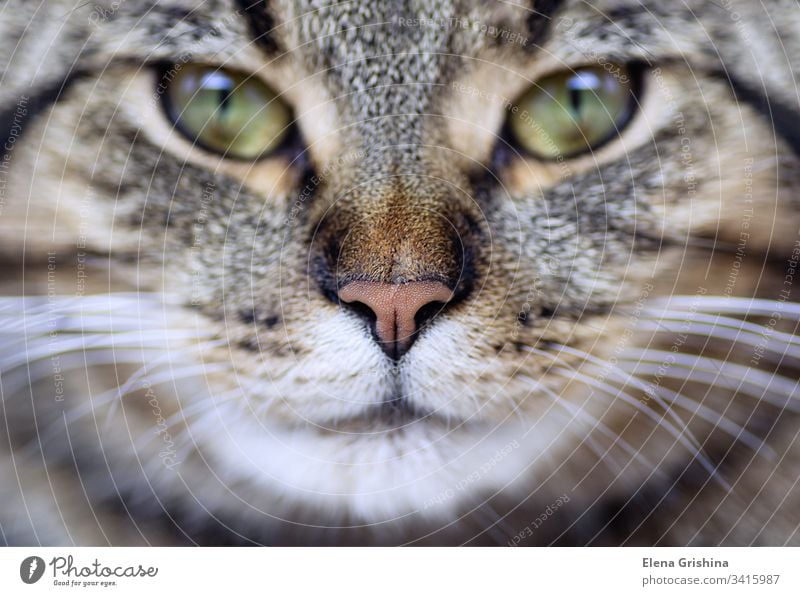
226,111
575,111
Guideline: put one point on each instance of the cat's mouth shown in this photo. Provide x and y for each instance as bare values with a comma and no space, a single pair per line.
397,413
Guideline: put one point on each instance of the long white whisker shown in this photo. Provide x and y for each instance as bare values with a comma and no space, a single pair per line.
153,340
677,398
680,434
731,305
724,322
20,378
780,348
604,429
95,403
628,378
168,358
716,373
735,430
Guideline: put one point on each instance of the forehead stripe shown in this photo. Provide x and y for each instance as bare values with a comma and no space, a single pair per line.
540,20
260,23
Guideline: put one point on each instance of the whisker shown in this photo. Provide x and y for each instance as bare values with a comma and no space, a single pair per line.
604,428
719,373
682,435
738,432
628,378
153,341
731,305
664,398
772,342
167,358
71,361
720,321
187,414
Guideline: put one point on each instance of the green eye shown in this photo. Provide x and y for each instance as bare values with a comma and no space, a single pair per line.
225,111
572,112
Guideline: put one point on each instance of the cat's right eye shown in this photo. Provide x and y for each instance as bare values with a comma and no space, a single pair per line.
574,111
226,111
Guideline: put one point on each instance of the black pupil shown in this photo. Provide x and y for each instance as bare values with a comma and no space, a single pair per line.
575,96
224,87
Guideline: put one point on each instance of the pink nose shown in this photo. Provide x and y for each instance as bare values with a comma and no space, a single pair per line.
396,307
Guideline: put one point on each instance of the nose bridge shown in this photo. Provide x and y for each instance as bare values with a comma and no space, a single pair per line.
398,229
391,217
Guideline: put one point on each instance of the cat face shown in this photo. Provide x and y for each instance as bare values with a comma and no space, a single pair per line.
404,230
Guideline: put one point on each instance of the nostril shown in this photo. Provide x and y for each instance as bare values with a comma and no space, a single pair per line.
363,311
397,311
427,313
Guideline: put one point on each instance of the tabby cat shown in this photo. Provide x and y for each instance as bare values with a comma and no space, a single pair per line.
406,272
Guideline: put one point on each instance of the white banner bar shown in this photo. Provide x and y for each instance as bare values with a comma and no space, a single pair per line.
401,572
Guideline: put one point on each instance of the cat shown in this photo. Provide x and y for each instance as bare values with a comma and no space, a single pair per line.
432,272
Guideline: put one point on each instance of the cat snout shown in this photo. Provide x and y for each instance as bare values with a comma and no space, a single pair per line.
397,311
